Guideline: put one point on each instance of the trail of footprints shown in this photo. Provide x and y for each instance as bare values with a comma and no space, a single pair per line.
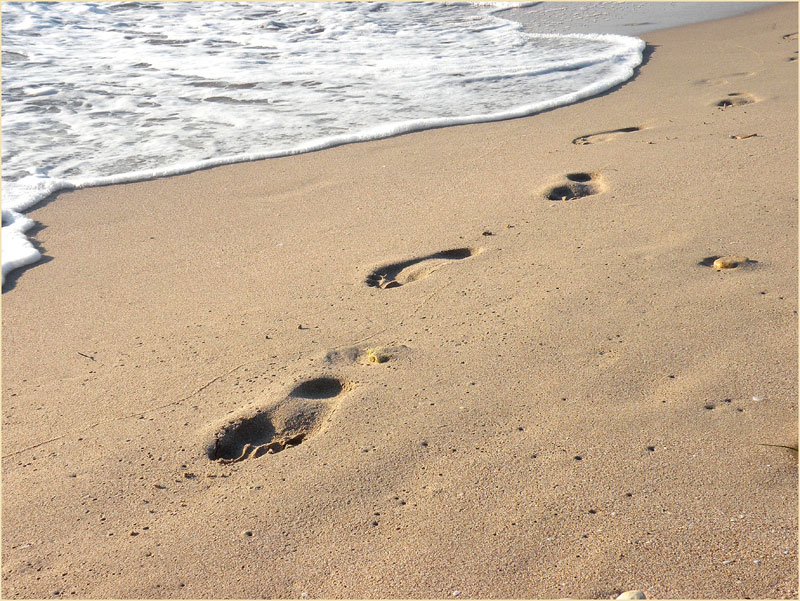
304,412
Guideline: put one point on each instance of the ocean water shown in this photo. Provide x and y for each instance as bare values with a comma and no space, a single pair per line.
116,92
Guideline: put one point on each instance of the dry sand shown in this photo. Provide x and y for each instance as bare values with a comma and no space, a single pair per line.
569,406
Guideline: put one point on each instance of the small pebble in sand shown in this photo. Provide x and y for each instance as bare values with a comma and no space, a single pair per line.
632,595
375,356
729,262
456,593
758,398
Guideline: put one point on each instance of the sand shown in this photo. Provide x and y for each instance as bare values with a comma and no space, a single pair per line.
569,399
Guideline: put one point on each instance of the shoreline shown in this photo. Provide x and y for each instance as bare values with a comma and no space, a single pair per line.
22,192
573,404
26,254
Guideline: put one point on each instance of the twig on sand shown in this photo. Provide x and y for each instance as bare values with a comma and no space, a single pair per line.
780,446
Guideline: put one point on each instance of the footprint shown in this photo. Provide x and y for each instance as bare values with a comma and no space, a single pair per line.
366,355
395,275
295,419
577,185
604,136
736,99
724,79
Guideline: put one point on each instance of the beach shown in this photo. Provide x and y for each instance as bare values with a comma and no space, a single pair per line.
492,360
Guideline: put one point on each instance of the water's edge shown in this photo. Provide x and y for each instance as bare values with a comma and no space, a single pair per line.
20,196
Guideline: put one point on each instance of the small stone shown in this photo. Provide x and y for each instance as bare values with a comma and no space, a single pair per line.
456,593
729,262
375,356
727,562
248,533
632,595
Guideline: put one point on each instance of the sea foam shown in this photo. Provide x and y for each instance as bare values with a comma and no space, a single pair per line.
97,94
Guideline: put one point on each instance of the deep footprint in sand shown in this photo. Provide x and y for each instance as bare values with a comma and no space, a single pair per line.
399,274
295,419
604,136
736,99
577,185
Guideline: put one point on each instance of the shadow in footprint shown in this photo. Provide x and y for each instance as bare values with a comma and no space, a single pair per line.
604,136
578,185
295,419
320,388
736,99
395,275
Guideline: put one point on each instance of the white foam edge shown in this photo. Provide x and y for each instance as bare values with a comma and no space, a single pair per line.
18,251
